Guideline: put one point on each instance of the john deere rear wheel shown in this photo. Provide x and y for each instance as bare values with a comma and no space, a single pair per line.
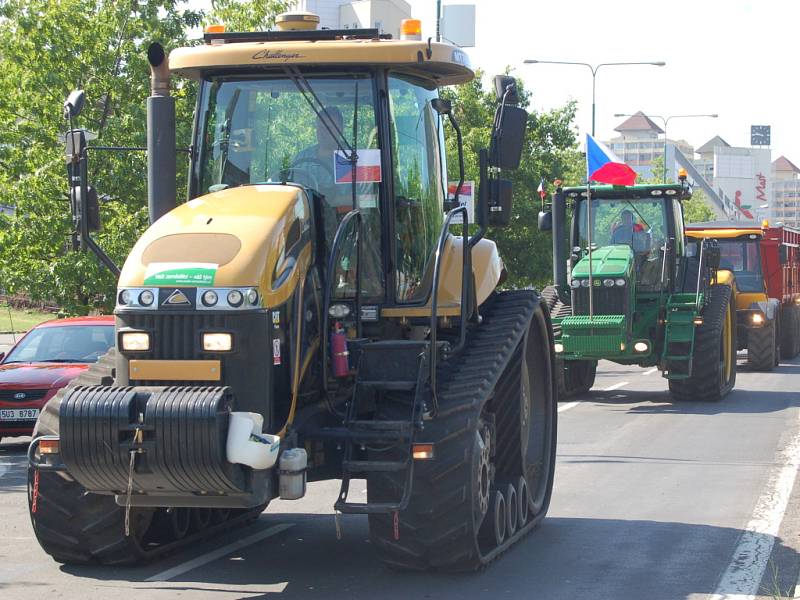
714,359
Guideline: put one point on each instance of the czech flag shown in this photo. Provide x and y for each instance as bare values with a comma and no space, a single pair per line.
603,166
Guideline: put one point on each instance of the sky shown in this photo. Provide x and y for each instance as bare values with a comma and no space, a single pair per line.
730,57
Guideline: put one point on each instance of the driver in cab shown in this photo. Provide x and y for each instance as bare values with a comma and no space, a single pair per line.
624,229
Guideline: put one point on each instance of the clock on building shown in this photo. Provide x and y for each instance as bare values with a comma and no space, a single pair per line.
759,135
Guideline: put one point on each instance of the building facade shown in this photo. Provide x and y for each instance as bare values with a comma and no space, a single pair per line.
786,192
384,15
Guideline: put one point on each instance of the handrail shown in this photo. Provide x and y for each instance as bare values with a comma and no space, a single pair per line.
326,303
699,275
466,271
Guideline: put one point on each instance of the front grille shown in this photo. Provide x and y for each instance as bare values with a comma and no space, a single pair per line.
177,337
607,300
30,395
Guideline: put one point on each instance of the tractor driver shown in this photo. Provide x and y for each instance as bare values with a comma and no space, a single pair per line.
624,229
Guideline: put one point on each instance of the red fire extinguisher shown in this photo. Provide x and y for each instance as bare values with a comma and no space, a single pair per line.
339,353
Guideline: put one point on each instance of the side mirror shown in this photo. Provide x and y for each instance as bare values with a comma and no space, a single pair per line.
712,255
442,106
545,221
508,136
505,87
73,105
500,203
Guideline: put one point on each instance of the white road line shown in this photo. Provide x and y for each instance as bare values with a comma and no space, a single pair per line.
650,371
3,469
616,386
212,556
567,406
750,559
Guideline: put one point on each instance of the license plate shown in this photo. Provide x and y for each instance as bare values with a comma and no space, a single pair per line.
19,414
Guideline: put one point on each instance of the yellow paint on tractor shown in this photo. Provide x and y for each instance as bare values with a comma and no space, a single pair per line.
443,63
724,233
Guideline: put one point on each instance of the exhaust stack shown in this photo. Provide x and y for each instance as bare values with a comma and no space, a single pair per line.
161,161
560,241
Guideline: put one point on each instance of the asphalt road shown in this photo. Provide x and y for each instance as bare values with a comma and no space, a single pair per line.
653,500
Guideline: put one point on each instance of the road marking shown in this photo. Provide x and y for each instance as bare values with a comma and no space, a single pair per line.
650,371
749,562
3,469
567,406
616,386
212,556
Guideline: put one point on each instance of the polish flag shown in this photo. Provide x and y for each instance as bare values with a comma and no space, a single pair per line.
603,166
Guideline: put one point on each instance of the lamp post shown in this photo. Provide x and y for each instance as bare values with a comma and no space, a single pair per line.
666,121
593,69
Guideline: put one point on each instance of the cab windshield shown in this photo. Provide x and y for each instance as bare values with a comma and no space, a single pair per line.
744,259
640,223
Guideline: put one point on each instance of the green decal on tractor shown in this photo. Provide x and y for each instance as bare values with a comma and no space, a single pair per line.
197,274
631,289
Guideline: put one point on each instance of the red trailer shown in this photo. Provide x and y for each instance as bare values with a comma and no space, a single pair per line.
780,260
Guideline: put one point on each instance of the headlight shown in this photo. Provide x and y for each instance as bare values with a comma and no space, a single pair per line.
641,346
135,341
217,342
339,311
125,297
608,282
146,298
620,282
585,282
559,348
209,298
252,296
758,318
575,284
235,298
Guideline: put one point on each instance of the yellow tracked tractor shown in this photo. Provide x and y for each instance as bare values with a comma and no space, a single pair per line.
307,314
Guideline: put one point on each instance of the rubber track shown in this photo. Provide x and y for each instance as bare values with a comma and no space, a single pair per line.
703,384
77,527
761,347
434,530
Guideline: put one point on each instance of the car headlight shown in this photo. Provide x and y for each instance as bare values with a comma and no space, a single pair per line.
135,341
608,282
235,298
620,282
217,342
146,298
585,282
209,298
575,284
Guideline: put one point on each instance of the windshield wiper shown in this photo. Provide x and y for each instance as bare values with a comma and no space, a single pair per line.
62,360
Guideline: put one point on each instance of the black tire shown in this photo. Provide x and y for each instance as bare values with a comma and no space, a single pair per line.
761,347
790,341
442,525
714,361
579,376
72,525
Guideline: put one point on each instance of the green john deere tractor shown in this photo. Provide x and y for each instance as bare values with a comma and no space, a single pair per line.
634,290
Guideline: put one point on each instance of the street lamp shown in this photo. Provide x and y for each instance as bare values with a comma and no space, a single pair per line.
593,69
666,121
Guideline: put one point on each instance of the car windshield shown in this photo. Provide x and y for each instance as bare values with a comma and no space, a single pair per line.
744,259
315,130
63,344
640,223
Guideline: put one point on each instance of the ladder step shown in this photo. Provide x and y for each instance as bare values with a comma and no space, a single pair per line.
370,466
366,509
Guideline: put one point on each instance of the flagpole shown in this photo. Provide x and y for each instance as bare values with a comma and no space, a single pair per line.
589,239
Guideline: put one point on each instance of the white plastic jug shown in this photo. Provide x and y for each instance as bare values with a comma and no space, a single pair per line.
292,469
247,445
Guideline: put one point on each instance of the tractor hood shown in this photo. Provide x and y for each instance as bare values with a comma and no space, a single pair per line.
231,238
608,261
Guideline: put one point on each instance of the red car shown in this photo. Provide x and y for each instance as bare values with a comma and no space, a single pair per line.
44,360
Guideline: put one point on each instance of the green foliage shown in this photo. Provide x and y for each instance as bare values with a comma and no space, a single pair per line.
47,49
246,15
550,152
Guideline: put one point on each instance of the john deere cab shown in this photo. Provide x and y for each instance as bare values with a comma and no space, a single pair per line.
308,314
631,289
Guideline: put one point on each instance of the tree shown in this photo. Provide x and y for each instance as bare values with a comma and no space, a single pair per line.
695,210
47,49
550,152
